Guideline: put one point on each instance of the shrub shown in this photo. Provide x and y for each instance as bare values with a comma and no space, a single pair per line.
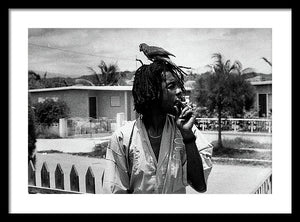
50,111
251,114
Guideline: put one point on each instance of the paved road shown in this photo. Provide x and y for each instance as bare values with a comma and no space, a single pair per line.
233,179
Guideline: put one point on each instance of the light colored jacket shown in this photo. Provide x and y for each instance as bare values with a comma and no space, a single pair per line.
132,166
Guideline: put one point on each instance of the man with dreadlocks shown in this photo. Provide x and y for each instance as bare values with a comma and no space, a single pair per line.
162,151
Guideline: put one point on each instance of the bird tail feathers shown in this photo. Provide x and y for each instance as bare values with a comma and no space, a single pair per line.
169,61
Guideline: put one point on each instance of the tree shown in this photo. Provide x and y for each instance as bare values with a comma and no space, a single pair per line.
223,91
34,80
109,75
50,111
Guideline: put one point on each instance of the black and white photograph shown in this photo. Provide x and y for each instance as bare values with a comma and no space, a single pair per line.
114,105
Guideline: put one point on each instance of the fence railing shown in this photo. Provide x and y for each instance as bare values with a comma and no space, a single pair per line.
265,187
60,185
85,126
235,125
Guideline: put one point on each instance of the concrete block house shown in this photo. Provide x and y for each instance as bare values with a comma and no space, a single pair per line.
91,101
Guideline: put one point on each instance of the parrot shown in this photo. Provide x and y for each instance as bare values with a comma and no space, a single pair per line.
154,53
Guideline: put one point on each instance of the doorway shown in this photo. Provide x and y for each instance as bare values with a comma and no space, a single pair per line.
92,107
262,105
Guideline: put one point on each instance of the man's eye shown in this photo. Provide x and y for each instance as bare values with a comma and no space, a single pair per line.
171,86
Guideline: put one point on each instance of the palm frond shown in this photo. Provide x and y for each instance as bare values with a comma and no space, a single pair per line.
103,67
248,70
91,69
84,82
218,56
96,74
267,61
211,67
238,65
227,66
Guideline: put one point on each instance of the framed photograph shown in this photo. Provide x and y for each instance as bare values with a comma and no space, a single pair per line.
74,55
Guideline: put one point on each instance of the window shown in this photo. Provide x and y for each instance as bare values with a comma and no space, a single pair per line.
115,101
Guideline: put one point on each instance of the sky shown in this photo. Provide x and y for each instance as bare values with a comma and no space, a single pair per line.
71,51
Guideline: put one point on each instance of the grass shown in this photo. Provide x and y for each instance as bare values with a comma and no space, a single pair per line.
240,149
241,154
239,142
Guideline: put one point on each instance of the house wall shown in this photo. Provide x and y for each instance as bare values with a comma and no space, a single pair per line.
263,89
77,100
107,103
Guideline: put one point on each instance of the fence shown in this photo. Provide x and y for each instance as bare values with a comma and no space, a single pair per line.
60,185
77,126
265,187
235,125
89,126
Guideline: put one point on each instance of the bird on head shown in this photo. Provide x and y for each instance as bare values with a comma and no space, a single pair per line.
152,52
155,53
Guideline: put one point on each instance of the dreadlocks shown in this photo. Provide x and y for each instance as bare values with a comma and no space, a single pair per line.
147,87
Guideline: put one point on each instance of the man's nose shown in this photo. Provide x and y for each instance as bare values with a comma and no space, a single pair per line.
179,94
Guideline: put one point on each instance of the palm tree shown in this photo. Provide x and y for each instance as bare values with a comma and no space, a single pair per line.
34,80
228,90
109,74
226,67
34,75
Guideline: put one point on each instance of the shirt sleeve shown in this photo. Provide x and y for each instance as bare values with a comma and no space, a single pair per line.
205,149
116,179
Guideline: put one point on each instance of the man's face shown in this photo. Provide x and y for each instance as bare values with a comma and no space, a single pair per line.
170,93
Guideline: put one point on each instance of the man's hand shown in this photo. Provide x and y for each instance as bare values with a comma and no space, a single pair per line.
185,122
